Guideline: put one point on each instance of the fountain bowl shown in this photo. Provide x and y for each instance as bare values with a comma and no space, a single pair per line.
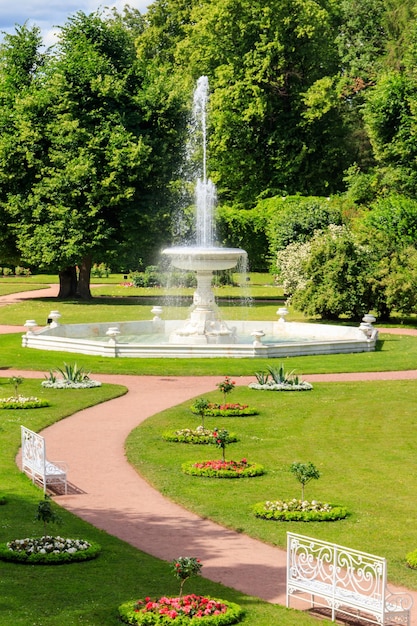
200,258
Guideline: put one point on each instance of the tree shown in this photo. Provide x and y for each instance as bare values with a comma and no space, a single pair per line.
201,406
109,136
20,61
389,229
261,60
304,473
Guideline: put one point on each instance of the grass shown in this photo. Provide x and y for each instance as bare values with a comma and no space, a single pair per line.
395,352
361,437
90,592
8,288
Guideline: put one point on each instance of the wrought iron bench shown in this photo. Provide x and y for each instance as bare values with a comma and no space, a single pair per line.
347,582
36,465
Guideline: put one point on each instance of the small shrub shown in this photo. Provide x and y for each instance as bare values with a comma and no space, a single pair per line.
200,406
304,473
226,386
72,377
412,559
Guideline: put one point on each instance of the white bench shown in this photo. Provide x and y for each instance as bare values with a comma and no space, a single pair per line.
347,582
35,463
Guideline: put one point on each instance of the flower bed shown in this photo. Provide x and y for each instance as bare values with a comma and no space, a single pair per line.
299,511
199,436
20,402
272,386
70,384
227,410
223,469
48,550
189,609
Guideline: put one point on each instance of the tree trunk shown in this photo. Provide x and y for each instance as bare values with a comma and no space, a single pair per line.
84,278
68,282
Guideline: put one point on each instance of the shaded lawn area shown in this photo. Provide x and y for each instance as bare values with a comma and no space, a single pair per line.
361,436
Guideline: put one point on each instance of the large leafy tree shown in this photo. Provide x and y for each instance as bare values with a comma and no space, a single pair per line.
101,137
265,62
21,60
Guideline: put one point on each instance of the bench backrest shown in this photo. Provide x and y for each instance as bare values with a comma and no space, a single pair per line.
33,451
343,568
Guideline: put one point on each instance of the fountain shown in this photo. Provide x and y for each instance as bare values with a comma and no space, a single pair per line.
204,333
204,324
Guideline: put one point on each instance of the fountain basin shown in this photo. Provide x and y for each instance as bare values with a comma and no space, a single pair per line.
145,339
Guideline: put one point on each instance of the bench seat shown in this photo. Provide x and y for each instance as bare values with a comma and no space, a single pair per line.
36,465
347,582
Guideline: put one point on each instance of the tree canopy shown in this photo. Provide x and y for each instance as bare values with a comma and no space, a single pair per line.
308,99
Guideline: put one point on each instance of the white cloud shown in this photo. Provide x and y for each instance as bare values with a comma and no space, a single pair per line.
53,13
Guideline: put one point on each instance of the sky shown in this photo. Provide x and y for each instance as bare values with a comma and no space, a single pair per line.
47,14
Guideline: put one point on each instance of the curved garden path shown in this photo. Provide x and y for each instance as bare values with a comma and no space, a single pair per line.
107,492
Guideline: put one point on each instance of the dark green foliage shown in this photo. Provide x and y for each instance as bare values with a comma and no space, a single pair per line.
247,229
46,513
296,219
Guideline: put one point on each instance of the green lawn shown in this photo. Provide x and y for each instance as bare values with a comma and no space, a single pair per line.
395,352
84,593
361,437
7,288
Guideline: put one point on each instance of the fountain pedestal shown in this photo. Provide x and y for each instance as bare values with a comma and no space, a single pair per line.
204,325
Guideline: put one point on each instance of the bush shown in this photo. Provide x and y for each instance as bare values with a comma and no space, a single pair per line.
412,559
100,271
